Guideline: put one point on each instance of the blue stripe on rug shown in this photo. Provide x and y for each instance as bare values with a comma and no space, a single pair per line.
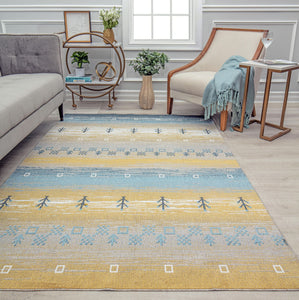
132,178
130,118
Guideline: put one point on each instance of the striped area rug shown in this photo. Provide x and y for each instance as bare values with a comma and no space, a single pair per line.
137,202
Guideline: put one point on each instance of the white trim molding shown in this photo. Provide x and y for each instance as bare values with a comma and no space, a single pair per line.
293,23
55,7
5,23
127,78
161,95
278,96
250,8
127,95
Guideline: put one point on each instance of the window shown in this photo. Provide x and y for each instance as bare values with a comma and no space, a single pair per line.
166,22
161,19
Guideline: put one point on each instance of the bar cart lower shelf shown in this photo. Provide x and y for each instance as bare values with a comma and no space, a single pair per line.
100,89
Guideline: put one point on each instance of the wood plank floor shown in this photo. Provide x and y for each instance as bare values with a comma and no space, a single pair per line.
272,168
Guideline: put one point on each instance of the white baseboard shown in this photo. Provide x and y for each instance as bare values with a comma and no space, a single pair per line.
133,95
127,95
278,96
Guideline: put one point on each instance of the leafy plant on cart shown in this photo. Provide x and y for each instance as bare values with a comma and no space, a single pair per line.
80,57
149,62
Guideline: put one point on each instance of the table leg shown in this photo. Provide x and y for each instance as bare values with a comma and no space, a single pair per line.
286,94
80,92
113,95
240,128
110,105
265,102
73,99
283,130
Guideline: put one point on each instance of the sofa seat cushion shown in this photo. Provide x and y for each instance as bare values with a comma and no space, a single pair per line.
193,83
23,94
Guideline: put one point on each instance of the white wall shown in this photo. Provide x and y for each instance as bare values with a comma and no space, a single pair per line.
280,16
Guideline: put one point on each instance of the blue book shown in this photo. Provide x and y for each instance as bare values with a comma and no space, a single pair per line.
73,78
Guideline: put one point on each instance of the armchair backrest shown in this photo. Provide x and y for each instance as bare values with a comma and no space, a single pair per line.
30,53
226,42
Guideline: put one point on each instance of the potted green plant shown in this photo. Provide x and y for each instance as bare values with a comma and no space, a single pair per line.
80,57
110,19
147,64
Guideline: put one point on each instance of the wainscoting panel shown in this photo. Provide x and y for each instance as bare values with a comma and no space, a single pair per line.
280,17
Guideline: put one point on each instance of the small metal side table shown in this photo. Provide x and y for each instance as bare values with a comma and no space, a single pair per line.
98,87
271,68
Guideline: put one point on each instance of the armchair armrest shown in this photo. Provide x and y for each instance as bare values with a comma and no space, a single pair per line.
30,53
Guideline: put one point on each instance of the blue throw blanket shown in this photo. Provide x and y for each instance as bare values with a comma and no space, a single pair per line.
228,86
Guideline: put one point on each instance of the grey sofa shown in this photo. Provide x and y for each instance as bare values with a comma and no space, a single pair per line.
31,84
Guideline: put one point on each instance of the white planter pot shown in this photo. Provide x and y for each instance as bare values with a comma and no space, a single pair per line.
80,72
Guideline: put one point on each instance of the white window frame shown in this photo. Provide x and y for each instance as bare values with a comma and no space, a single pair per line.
195,31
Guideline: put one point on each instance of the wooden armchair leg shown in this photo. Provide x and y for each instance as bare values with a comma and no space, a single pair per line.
169,105
223,120
253,114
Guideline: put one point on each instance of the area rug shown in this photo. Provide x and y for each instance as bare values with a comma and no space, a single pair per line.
140,203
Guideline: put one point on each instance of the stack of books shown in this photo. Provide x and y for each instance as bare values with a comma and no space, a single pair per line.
73,78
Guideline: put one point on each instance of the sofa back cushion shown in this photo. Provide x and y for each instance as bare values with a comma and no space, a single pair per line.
30,53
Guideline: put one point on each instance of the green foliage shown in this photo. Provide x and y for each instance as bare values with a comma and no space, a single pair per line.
149,62
80,57
110,17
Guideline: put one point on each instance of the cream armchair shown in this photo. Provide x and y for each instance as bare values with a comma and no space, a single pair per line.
188,82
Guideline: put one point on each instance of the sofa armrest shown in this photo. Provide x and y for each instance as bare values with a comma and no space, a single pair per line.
30,53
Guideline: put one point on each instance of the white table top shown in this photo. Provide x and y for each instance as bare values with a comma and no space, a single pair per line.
277,64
